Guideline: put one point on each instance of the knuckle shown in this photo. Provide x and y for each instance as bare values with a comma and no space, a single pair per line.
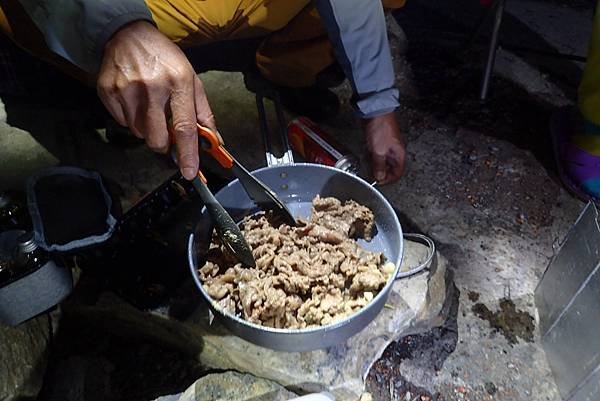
103,83
105,89
179,74
184,128
188,159
120,85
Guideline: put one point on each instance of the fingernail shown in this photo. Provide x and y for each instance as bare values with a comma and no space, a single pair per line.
189,173
379,176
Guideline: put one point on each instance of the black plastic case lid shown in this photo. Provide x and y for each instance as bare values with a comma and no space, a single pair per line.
70,208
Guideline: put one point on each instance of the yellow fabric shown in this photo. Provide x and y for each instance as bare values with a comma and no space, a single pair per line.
589,143
193,22
4,25
589,88
294,51
295,48
295,55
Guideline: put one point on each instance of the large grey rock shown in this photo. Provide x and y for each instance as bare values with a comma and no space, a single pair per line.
23,358
233,386
2,112
79,378
23,156
414,304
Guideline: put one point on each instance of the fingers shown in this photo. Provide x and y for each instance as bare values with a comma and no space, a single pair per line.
143,78
184,128
155,128
122,104
379,166
112,104
204,114
394,165
398,167
384,141
132,104
388,162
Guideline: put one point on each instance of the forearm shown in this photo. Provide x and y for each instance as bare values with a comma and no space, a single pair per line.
357,30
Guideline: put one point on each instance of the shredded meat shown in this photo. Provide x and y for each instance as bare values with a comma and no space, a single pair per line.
309,275
350,219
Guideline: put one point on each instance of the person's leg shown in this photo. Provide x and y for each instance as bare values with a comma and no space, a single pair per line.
299,60
295,52
16,25
589,93
30,72
197,23
187,23
295,55
208,31
579,149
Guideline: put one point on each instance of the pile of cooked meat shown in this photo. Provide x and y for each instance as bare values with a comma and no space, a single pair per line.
309,275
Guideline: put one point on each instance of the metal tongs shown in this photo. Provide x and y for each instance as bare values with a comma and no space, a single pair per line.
228,231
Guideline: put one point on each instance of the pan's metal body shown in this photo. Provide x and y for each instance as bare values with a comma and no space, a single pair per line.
297,185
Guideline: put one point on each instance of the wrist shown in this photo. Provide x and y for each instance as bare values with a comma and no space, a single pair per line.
378,120
128,31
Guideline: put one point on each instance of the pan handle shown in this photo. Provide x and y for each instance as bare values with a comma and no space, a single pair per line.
428,242
286,157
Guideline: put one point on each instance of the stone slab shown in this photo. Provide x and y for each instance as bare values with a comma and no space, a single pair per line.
23,358
340,369
233,386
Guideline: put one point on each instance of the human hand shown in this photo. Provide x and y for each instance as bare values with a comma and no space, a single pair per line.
386,146
144,79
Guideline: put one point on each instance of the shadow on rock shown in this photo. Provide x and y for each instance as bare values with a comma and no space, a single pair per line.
428,351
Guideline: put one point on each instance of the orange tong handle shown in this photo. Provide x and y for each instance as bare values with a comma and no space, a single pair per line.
202,177
216,150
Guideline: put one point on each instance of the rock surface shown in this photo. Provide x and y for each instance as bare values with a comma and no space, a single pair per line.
23,358
26,156
340,369
233,386
2,112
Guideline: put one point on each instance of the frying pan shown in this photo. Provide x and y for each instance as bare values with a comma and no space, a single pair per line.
296,184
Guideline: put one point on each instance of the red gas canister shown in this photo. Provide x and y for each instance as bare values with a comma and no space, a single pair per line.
315,146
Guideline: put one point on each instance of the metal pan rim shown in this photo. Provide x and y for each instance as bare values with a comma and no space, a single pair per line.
384,292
